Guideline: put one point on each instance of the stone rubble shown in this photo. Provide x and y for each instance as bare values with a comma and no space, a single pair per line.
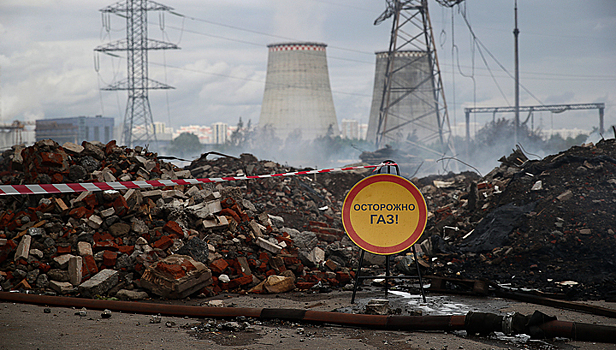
528,223
102,244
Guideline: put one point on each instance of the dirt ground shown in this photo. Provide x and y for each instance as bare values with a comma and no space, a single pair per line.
24,326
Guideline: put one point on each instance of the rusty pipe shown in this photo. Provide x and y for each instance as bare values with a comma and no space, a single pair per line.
359,320
473,322
579,331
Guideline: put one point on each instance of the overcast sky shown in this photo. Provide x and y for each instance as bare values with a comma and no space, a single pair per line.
47,58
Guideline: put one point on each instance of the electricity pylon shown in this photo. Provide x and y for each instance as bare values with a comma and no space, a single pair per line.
413,100
137,44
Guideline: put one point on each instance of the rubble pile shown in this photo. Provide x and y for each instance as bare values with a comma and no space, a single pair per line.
546,224
542,224
118,243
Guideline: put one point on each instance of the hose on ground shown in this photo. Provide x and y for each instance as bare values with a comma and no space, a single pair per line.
537,325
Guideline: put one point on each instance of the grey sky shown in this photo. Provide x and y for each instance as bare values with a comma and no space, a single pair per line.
567,55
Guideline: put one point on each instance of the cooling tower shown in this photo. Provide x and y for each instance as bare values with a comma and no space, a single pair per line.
298,101
413,109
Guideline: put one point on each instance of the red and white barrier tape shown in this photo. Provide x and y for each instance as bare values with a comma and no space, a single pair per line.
8,190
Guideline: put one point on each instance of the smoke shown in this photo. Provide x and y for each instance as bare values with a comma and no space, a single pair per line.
299,20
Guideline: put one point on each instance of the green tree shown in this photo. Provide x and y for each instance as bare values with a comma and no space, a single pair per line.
187,144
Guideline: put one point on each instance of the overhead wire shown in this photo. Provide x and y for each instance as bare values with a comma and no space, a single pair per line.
475,43
259,32
494,58
258,44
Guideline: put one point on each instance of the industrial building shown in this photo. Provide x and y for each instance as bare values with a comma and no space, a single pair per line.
297,100
75,129
412,113
350,129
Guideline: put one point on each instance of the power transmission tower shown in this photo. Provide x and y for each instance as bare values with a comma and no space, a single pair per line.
413,100
138,112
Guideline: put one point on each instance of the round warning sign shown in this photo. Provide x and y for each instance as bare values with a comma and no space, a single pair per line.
384,214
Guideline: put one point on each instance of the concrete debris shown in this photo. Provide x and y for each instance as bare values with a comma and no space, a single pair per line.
377,307
176,276
100,283
239,235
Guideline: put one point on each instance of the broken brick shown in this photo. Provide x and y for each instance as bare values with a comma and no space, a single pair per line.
109,258
163,243
218,266
173,227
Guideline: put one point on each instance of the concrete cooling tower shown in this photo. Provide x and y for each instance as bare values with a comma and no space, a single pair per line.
412,108
298,101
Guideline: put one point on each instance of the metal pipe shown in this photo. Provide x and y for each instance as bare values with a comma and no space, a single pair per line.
473,322
417,323
516,32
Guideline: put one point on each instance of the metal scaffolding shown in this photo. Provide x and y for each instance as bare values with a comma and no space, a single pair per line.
530,109
138,127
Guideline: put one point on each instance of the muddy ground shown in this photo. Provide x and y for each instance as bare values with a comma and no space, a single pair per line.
24,326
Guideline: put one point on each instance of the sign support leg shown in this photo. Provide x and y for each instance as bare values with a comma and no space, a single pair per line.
361,262
423,293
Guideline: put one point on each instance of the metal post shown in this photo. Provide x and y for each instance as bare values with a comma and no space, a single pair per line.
423,294
516,32
467,117
361,262
601,130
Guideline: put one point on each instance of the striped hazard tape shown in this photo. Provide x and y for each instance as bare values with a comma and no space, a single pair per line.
8,190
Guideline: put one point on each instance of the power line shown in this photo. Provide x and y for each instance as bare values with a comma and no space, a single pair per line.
260,33
494,58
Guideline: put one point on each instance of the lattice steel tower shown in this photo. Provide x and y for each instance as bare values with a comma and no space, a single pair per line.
138,112
409,103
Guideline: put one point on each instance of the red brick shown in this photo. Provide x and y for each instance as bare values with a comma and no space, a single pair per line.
229,285
43,267
126,249
90,200
109,258
233,214
6,218
291,261
89,266
317,223
243,280
208,291
288,241
343,277
57,178
263,256
188,266
227,202
77,213
304,285
173,227
120,206
105,245
6,249
109,147
163,243
64,249
102,236
333,281
173,270
218,266
51,159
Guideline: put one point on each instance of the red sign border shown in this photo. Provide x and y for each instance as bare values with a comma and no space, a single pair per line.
421,206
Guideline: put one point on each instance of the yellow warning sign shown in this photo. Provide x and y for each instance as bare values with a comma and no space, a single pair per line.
384,214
